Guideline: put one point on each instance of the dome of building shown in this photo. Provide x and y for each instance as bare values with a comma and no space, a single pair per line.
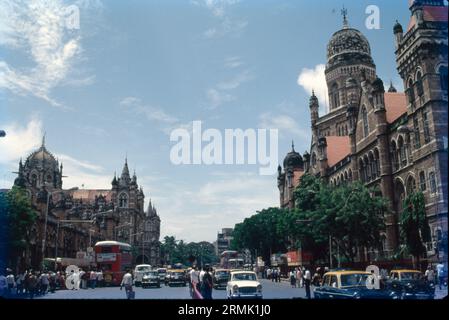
397,28
293,159
42,154
378,85
348,40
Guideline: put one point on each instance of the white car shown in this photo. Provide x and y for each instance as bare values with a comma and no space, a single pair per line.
139,271
243,285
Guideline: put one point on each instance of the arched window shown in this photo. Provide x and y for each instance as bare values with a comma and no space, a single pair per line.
123,200
365,122
377,160
410,91
367,168
432,182
372,161
362,170
34,180
402,152
335,97
443,77
422,181
394,156
350,175
411,185
346,177
419,86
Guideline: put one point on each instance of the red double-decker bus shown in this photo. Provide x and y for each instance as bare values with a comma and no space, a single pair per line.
113,258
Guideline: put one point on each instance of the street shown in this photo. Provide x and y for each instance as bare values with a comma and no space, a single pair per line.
271,290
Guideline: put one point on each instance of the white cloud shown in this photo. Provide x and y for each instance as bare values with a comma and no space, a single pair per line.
287,126
222,202
20,140
217,98
220,10
220,94
236,82
38,28
314,79
233,62
152,113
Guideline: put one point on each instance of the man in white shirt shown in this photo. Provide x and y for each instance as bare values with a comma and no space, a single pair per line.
127,281
430,275
307,279
11,282
440,274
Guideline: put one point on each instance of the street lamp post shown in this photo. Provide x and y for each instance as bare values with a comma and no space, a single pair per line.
44,237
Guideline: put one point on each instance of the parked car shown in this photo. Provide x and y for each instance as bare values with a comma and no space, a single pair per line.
139,271
410,284
350,285
162,274
151,278
221,278
176,277
243,285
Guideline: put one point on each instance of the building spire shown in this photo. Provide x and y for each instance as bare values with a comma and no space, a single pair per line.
43,140
344,13
293,146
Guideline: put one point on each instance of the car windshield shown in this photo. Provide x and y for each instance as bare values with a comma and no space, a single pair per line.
151,273
143,268
162,271
410,276
245,276
353,280
222,273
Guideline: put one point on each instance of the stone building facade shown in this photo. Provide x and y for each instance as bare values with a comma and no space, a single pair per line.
78,218
394,140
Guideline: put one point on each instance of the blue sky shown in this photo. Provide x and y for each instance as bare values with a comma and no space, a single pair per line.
135,70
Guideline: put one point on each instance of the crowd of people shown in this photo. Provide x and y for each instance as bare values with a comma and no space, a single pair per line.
31,283
201,282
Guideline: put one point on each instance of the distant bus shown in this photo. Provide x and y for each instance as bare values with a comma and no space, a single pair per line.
231,259
114,258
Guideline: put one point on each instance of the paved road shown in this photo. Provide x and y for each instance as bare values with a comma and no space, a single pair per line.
271,290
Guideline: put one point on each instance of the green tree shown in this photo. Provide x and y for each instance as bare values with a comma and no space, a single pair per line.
414,226
18,220
352,215
260,233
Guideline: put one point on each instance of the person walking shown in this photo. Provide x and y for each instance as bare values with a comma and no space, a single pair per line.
293,278
11,282
3,285
127,281
430,275
20,282
299,278
44,282
207,284
100,278
440,274
32,284
93,279
307,279
52,281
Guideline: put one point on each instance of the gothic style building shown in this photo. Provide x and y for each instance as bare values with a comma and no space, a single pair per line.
394,140
97,214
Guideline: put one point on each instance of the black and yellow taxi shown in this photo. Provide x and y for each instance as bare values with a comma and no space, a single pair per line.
351,284
176,277
410,284
221,278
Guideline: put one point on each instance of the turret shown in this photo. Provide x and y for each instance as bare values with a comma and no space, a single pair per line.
398,33
314,108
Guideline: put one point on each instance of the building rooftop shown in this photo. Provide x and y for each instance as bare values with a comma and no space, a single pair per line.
395,105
